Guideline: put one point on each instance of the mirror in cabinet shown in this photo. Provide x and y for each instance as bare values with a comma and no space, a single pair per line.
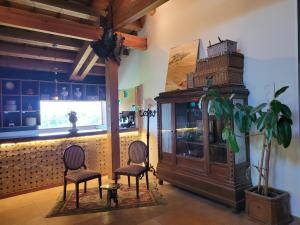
217,146
242,156
166,128
189,129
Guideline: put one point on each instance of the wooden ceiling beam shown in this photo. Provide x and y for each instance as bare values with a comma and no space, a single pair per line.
100,6
40,65
30,52
63,7
19,36
132,41
128,11
47,24
35,65
80,59
87,67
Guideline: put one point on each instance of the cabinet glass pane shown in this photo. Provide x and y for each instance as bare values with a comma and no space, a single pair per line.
189,130
217,147
166,128
240,156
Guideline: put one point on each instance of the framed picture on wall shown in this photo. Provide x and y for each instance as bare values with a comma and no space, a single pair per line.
182,61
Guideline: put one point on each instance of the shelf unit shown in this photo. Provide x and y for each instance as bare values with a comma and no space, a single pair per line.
20,99
191,152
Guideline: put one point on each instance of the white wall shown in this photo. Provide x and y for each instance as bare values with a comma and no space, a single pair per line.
266,31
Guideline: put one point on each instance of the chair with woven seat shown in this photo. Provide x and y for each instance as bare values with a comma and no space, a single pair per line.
74,160
138,154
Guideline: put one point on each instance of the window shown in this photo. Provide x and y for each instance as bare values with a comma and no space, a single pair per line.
54,114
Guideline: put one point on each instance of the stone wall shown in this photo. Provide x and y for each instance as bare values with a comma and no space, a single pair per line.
34,165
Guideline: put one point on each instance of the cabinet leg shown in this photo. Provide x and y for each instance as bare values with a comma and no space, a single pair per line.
235,210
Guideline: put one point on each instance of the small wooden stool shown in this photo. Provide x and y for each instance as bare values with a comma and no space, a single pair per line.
112,193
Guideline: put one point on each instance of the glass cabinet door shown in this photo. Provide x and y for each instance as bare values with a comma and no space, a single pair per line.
241,156
166,128
189,129
217,147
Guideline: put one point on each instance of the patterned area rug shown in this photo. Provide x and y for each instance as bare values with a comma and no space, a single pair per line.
90,201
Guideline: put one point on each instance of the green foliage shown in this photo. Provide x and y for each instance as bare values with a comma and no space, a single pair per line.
280,91
274,120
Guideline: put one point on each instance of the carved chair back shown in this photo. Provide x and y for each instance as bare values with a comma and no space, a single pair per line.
138,153
74,158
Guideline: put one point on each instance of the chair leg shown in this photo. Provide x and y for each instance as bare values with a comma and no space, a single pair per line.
116,178
147,180
100,184
65,189
77,194
128,177
85,187
137,187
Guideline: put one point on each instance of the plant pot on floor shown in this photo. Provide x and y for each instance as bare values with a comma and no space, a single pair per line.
273,209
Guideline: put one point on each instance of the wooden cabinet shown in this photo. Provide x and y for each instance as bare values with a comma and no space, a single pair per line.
192,154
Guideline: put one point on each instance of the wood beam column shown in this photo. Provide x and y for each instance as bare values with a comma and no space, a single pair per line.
112,115
18,18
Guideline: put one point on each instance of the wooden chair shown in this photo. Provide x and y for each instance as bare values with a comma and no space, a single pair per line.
138,154
74,160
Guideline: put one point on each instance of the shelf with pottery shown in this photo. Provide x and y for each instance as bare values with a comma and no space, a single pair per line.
20,99
71,91
17,97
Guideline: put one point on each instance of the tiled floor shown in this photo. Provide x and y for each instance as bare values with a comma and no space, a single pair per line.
183,208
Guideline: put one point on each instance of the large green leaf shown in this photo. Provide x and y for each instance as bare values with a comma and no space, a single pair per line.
216,105
258,108
201,101
225,133
284,131
285,110
275,106
213,92
261,121
227,106
238,118
239,106
232,142
246,124
253,118
280,91
275,130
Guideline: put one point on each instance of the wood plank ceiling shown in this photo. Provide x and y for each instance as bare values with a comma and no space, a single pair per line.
54,35
33,48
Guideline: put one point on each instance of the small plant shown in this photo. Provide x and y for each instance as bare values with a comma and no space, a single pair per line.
73,118
272,120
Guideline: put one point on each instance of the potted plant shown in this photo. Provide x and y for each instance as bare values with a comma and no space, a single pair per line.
73,119
273,121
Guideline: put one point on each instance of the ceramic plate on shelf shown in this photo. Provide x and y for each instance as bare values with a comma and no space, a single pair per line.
9,85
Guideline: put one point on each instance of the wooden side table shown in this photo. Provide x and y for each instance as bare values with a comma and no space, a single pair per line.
112,193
